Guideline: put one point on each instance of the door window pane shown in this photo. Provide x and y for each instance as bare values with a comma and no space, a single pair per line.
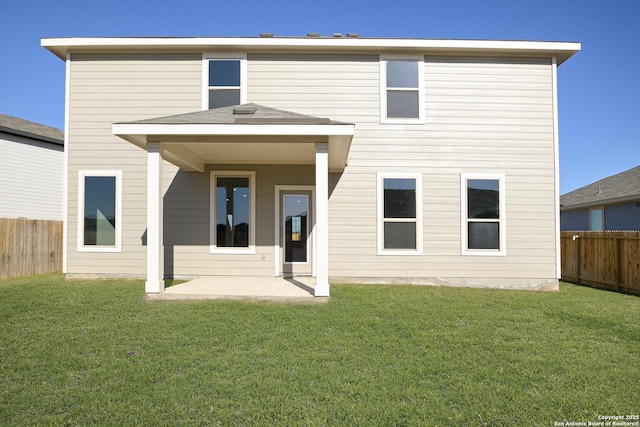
232,212
99,210
296,221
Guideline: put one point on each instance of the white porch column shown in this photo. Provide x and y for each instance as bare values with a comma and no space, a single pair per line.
322,220
155,250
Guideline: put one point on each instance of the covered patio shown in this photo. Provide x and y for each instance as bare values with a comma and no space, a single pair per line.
244,288
248,134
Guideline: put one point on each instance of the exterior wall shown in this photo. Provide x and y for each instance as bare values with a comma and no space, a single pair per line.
622,217
484,115
114,88
31,178
577,220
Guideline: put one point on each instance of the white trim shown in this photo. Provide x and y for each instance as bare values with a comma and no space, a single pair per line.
155,220
556,163
563,50
213,248
65,178
381,176
242,57
502,220
277,238
321,235
383,89
232,129
118,210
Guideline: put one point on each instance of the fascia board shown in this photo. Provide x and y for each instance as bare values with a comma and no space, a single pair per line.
228,129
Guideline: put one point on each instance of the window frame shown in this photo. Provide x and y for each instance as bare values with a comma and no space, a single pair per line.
381,220
117,247
206,57
384,59
213,232
464,212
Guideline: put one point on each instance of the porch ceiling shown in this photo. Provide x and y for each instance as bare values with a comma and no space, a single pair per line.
246,134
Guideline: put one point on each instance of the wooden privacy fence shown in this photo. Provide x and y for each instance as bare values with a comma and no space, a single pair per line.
29,246
602,259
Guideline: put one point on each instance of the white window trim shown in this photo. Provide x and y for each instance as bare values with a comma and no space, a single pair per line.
213,248
205,75
380,208
383,89
81,179
464,220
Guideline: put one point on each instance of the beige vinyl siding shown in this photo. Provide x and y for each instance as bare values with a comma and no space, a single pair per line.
483,115
112,88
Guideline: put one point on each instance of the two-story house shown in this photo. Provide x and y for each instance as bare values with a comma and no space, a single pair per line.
353,160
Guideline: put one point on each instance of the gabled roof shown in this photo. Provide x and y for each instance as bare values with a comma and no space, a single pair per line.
240,114
21,127
622,187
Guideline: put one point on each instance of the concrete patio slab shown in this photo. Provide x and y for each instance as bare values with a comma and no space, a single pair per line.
251,288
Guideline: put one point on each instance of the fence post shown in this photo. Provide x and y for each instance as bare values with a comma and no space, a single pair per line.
578,260
618,263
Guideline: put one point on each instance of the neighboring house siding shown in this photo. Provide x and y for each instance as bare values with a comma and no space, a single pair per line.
624,217
574,220
110,88
31,178
483,115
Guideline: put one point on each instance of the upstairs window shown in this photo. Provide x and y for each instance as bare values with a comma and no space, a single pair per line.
225,81
402,89
483,210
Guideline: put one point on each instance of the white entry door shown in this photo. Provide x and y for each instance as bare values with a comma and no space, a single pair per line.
296,223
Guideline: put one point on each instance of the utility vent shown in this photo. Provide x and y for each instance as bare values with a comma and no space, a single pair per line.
244,109
337,35
313,34
353,35
266,34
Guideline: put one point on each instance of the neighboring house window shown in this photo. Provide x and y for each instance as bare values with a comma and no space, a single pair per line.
483,213
402,89
225,80
596,219
99,211
399,214
232,212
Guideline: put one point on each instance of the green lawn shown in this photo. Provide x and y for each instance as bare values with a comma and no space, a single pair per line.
98,353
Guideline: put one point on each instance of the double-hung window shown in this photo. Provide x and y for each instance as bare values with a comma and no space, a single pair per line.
402,89
225,80
99,211
232,212
399,214
483,213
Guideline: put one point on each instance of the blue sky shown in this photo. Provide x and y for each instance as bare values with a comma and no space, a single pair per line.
599,88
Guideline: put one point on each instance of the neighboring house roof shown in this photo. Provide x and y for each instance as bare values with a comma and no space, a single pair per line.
63,46
622,187
21,127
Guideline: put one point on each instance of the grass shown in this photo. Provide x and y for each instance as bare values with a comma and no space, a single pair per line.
97,353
